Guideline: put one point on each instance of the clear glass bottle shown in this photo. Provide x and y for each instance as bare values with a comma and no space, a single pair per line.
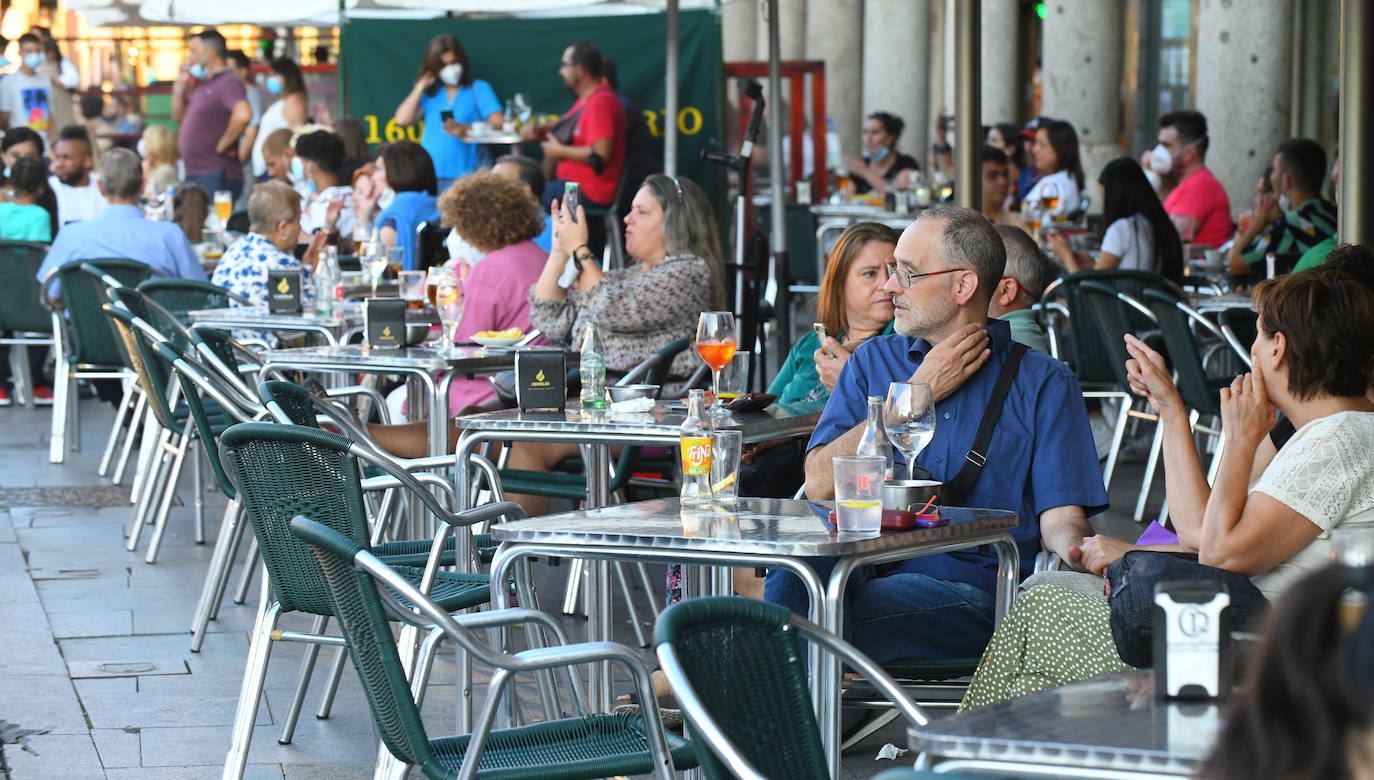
694,442
873,441
326,279
592,368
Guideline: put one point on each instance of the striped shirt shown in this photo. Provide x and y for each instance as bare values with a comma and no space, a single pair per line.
1296,231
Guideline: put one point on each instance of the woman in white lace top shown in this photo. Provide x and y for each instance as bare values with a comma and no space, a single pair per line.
1268,514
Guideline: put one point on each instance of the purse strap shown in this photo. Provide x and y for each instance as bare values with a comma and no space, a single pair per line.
977,456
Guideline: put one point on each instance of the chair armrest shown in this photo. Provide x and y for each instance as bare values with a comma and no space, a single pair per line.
356,390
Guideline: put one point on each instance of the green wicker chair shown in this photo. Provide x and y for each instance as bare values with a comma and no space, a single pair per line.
284,470
737,669
587,746
85,345
183,296
22,315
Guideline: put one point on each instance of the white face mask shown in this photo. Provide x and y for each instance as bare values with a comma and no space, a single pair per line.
384,200
1161,161
142,147
1284,203
451,74
461,251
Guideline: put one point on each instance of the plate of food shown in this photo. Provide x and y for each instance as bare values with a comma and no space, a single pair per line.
498,338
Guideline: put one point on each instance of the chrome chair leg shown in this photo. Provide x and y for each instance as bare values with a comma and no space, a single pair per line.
215,575
1147,481
151,490
630,604
121,417
250,693
223,584
135,423
293,711
197,454
336,669
64,386
250,566
183,447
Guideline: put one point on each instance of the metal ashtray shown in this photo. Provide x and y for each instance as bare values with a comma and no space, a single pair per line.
909,494
630,392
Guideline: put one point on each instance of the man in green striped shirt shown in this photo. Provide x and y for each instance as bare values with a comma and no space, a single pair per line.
1294,220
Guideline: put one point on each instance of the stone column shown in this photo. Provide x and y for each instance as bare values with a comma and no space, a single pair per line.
739,22
1243,75
1001,88
1081,78
896,67
834,34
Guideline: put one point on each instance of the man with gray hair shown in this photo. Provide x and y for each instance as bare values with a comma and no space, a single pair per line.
121,230
1038,462
1021,285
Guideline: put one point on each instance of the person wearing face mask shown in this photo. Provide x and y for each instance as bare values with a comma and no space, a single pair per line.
26,95
212,114
1296,219
1199,201
273,216
328,201
402,190
287,85
882,166
449,100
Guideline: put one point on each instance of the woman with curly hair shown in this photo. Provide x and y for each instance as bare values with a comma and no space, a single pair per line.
498,217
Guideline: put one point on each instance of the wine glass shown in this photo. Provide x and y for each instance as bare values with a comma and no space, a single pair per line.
909,417
716,345
375,258
449,303
1049,197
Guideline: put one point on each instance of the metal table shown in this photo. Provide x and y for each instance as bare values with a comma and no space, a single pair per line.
333,328
420,364
1107,727
773,533
1211,304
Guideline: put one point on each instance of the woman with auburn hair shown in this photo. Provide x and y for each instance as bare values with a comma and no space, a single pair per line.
1055,154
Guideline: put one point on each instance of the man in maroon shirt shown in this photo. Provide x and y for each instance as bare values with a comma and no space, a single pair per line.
1199,201
587,144
212,116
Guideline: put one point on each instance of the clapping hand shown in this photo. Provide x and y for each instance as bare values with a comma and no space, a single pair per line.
954,360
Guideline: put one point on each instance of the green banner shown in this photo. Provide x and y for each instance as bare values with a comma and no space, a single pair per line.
380,58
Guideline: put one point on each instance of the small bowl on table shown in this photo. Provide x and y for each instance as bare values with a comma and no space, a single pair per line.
496,341
631,392
910,494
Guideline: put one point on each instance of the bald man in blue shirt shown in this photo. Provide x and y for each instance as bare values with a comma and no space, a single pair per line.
1041,463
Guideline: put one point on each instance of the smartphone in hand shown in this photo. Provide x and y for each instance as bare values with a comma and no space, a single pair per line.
444,116
821,335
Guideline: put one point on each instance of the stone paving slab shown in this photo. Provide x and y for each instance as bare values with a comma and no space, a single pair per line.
56,757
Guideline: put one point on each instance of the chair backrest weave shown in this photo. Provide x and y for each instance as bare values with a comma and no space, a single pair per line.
286,470
745,663
93,339
1113,318
363,620
153,371
292,398
164,322
21,306
1093,359
1185,354
180,296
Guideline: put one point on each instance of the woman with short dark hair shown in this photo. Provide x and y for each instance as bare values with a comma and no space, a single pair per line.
1270,521
402,185
449,100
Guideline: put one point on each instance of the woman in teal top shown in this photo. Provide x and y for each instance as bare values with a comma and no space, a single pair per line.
449,100
31,213
853,307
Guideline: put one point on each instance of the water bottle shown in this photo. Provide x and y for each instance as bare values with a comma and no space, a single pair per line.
694,443
873,441
592,369
327,279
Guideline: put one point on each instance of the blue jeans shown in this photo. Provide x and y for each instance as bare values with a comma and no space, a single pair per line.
210,182
900,614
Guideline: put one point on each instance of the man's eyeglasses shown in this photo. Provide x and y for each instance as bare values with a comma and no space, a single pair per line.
905,278
1018,287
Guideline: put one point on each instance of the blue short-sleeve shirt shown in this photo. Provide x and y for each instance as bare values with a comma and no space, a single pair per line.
1042,453
472,103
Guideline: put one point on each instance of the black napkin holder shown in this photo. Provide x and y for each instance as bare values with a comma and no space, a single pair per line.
284,292
386,322
540,380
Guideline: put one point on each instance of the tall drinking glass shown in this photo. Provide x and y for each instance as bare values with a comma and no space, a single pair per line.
909,417
374,261
448,299
716,344
224,207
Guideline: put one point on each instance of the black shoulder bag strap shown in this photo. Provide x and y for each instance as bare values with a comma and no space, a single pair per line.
977,455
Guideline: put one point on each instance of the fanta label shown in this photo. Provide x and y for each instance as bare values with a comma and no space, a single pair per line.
696,456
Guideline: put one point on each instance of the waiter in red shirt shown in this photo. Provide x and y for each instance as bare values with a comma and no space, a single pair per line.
587,144
1198,205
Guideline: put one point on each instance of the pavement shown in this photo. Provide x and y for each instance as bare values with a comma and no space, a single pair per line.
97,679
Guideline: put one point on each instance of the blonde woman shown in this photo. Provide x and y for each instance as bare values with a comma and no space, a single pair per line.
159,161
